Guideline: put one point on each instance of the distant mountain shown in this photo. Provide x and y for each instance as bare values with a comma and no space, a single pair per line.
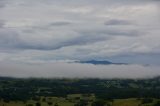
99,62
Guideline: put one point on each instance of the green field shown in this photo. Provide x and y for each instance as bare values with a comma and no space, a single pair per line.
73,99
79,92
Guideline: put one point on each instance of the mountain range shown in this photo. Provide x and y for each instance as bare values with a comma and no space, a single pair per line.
99,62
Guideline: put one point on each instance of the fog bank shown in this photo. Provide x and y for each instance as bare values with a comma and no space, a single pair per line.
76,70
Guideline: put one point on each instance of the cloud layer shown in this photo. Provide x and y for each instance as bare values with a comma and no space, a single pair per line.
76,70
124,31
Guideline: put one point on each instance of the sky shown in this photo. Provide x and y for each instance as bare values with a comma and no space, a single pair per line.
49,35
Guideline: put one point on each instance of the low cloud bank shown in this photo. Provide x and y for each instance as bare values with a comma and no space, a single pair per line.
76,70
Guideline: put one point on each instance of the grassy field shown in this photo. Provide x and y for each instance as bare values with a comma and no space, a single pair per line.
132,102
79,92
72,99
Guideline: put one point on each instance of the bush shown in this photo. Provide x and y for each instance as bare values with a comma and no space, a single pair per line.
147,100
30,105
50,103
99,103
157,104
38,104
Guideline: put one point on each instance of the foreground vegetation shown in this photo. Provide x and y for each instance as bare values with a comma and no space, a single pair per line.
79,92
83,100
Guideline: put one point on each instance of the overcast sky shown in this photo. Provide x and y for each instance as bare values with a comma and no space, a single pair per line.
34,32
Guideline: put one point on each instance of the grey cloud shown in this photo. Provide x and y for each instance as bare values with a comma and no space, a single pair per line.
50,24
2,3
117,22
47,26
2,23
109,32
100,2
8,39
50,45
12,40
60,23
137,58
86,39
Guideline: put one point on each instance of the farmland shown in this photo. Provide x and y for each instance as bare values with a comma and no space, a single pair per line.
79,92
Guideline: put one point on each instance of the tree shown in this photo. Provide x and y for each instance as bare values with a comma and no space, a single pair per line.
29,105
99,103
147,100
6,100
56,104
50,103
36,98
82,103
110,100
38,104
157,104
44,99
